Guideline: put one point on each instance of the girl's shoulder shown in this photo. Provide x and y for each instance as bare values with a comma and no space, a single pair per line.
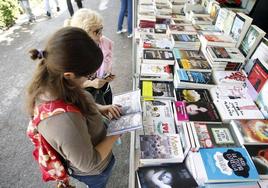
105,41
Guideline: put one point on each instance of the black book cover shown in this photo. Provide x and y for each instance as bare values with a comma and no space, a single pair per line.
193,95
172,176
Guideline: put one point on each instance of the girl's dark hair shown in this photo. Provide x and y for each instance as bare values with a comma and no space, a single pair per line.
68,50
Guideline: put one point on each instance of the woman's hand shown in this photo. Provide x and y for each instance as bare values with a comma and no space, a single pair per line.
96,83
110,78
110,111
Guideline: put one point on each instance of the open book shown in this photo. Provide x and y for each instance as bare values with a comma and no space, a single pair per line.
131,118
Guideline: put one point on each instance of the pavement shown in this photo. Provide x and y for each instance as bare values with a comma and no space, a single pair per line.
18,169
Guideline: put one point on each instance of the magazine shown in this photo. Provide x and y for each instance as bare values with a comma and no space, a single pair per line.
131,112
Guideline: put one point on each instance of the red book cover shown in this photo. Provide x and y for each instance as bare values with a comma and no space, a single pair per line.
258,75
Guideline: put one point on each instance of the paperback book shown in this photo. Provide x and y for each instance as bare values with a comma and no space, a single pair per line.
131,113
251,131
229,78
173,175
228,165
155,149
215,135
262,100
156,72
158,56
238,109
187,76
181,29
156,41
157,90
216,39
261,51
259,156
197,112
192,95
158,117
251,40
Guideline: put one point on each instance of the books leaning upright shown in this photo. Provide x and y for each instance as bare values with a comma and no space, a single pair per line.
131,118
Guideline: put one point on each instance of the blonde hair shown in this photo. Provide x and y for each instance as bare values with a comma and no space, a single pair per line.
86,19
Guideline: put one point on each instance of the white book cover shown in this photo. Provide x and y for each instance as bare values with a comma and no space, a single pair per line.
131,118
261,51
229,78
240,27
238,109
150,40
185,139
158,117
223,92
223,13
156,71
251,40
155,149
217,53
181,29
216,39
228,22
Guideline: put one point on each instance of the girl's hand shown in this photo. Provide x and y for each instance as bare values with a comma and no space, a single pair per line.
98,83
110,111
110,78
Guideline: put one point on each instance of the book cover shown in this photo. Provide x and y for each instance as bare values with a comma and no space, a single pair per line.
181,29
160,28
156,41
155,55
238,109
185,38
225,54
228,165
131,116
158,117
197,111
258,75
251,40
252,131
229,77
216,135
261,51
222,92
262,100
259,156
228,22
195,76
192,95
153,71
160,149
188,54
166,176
155,89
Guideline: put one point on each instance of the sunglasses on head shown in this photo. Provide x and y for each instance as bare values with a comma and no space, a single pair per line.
98,31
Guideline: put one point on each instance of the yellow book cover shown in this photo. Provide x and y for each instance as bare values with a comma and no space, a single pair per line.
147,90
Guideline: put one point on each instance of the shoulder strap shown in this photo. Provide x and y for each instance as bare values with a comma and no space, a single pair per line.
50,162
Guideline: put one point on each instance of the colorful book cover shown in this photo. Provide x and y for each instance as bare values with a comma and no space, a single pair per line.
258,75
185,38
158,55
229,77
195,77
228,165
259,156
253,131
192,95
262,100
166,176
158,117
215,135
197,111
165,148
157,89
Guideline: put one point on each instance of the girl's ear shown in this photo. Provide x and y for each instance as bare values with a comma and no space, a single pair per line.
69,75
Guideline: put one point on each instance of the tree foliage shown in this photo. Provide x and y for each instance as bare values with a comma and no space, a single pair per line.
9,10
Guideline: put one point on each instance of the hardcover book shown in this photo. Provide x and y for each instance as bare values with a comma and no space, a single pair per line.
228,165
259,156
215,135
173,175
192,95
158,117
155,149
157,89
238,109
197,111
158,56
251,40
251,131
131,118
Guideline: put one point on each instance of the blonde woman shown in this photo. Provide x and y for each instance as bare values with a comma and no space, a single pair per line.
98,84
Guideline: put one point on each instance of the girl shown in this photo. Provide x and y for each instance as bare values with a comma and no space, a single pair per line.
78,134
